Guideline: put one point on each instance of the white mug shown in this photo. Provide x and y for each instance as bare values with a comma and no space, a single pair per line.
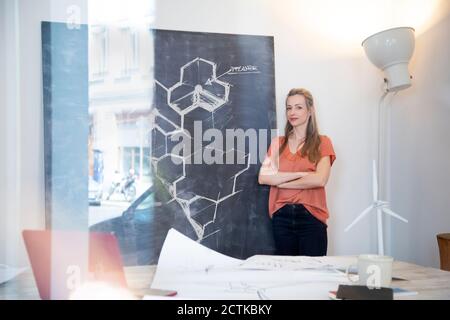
374,271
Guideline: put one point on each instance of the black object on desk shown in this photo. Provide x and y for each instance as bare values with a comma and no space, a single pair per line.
353,292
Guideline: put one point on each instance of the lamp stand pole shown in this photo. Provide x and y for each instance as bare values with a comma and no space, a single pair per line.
380,169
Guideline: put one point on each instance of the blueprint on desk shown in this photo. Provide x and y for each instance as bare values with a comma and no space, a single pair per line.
197,272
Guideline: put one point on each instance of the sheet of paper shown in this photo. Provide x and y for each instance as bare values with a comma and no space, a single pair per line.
197,272
8,273
181,253
265,262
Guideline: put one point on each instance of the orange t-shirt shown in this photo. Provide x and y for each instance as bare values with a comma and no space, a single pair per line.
314,200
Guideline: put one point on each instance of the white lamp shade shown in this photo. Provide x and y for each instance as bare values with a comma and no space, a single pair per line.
390,50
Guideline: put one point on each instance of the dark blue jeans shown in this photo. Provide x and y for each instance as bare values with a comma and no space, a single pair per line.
298,233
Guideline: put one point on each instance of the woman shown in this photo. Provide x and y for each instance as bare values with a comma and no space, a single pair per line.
297,167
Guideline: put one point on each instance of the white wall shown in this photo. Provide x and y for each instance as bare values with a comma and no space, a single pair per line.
2,126
420,150
21,138
317,46
10,169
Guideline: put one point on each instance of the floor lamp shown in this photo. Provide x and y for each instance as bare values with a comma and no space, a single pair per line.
390,50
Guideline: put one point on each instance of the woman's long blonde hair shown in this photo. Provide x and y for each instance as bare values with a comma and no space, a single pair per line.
312,142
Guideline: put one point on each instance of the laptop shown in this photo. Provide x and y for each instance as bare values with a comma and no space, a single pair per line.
79,257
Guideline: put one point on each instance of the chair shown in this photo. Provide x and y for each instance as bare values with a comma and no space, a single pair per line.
443,240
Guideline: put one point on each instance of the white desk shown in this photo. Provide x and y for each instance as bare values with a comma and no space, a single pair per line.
430,283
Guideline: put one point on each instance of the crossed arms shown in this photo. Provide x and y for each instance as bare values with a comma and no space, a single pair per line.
270,175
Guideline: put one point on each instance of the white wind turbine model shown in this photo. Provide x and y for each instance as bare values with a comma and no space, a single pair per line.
389,50
381,207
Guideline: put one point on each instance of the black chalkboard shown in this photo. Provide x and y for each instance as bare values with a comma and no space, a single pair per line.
226,81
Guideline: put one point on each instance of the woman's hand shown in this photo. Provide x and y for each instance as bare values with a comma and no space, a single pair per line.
270,175
316,179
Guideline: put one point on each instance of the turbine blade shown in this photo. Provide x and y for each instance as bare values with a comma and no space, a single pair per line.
366,211
392,213
374,181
